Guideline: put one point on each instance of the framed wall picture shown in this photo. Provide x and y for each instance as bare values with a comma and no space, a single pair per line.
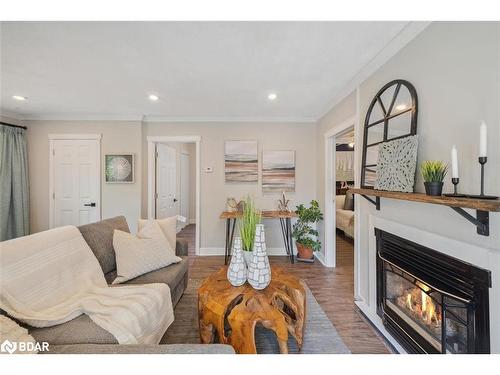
278,171
119,168
241,161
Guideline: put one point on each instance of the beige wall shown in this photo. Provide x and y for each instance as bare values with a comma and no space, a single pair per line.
455,68
340,113
214,190
116,199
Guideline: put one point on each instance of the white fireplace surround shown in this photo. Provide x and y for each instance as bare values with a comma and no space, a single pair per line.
481,257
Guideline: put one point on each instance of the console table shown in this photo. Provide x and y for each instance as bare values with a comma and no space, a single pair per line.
284,217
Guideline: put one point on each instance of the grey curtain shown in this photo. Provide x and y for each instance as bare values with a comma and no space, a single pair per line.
14,193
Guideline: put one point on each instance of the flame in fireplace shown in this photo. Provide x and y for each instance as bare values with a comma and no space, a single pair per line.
428,309
421,305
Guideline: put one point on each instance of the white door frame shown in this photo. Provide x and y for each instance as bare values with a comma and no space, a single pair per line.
152,140
54,137
330,178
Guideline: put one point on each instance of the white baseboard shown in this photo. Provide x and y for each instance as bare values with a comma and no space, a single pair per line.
377,322
319,255
212,251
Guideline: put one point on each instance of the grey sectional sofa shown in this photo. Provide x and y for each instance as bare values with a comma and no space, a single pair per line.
82,335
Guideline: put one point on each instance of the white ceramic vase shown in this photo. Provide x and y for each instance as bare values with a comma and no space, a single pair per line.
259,271
248,255
237,271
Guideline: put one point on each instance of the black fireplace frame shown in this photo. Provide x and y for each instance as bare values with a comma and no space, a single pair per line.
444,273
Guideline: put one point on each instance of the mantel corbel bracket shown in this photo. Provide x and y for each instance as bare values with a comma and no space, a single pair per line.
481,221
375,202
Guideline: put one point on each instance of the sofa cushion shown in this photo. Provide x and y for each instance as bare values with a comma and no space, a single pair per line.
170,275
81,330
175,276
136,256
344,219
99,236
349,201
168,226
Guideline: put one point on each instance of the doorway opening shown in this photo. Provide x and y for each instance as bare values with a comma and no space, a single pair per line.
340,174
173,184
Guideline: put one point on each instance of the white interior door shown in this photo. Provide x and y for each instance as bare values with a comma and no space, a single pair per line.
76,182
166,182
185,189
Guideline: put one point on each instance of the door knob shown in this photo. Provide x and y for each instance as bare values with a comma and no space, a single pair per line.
175,199
90,204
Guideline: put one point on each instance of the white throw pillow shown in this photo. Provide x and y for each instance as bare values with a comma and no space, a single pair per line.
168,227
147,252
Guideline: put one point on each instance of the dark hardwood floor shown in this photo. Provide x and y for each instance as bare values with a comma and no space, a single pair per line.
333,288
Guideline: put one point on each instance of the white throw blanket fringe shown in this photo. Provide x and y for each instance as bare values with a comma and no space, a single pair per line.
52,277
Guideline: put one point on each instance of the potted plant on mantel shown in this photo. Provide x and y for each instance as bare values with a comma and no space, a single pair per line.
247,224
306,237
433,172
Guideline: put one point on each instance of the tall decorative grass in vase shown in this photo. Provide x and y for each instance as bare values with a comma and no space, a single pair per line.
247,224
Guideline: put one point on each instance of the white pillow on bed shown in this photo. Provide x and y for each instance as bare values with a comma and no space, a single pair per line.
147,252
168,227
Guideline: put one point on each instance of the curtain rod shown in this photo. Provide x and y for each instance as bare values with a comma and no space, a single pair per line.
14,126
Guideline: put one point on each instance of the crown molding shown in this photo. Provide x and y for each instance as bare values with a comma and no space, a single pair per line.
237,119
405,36
11,115
68,117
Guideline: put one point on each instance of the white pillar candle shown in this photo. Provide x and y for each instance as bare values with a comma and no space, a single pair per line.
454,162
483,130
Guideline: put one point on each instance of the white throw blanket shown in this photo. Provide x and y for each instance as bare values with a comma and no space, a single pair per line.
52,277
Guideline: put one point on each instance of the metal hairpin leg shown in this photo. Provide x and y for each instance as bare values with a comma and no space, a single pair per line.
229,239
286,230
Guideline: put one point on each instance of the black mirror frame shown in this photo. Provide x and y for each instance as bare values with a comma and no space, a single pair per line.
387,116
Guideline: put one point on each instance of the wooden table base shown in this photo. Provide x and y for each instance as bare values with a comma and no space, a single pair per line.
233,312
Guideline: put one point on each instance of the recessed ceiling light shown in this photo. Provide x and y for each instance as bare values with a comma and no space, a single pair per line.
401,107
272,96
19,97
351,145
153,97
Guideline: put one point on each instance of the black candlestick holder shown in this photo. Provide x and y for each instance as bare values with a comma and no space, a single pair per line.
482,161
455,194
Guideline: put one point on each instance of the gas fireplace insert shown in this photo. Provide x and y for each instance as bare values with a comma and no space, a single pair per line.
431,302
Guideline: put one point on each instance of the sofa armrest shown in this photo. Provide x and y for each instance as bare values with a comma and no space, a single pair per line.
141,349
181,247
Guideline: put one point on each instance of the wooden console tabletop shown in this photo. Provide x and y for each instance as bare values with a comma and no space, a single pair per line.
266,214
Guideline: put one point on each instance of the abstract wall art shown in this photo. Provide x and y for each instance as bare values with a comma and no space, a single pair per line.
241,161
278,171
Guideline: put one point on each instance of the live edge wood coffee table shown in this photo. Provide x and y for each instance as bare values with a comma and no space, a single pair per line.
233,312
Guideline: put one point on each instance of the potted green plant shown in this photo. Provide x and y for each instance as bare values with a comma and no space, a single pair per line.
433,172
247,224
306,237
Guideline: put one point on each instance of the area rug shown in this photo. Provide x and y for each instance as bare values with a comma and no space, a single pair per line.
320,336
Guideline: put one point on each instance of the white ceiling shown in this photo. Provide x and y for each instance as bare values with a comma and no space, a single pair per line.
201,70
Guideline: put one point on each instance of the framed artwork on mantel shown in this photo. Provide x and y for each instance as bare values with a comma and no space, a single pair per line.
278,171
119,168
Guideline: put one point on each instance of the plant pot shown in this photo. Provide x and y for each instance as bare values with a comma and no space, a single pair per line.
304,252
433,188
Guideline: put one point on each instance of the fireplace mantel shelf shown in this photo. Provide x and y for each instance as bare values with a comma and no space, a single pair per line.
482,206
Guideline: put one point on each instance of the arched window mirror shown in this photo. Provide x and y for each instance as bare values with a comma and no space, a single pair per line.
392,114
